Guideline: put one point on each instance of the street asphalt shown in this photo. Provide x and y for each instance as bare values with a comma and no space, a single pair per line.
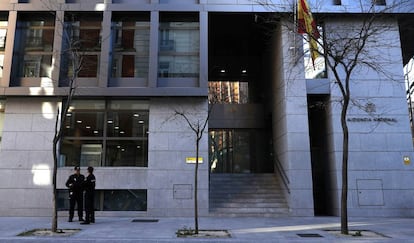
258,230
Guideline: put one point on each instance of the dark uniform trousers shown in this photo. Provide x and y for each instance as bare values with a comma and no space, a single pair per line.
76,198
74,183
89,186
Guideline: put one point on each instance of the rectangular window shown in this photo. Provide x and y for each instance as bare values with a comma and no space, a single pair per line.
230,151
228,92
314,69
81,45
179,44
130,45
111,200
32,57
112,133
3,34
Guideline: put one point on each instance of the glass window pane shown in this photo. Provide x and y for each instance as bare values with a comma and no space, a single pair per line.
229,151
91,131
84,124
128,66
131,33
32,57
127,124
80,152
179,45
128,105
3,33
89,66
90,39
178,66
62,200
125,200
83,35
127,153
1,64
37,66
228,92
87,105
112,200
314,69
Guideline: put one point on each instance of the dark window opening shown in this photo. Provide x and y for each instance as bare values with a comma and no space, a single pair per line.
110,200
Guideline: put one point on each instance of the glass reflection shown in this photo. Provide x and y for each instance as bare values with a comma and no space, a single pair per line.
228,92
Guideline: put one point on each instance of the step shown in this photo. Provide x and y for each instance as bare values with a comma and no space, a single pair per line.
247,205
255,195
249,210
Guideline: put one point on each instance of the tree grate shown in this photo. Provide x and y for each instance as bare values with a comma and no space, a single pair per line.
309,235
144,220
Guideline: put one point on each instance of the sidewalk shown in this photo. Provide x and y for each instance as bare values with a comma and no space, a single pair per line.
258,230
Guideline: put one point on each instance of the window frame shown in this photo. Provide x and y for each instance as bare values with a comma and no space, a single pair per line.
103,138
118,51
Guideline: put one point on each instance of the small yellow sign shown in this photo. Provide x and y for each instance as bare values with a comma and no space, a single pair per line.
192,160
407,160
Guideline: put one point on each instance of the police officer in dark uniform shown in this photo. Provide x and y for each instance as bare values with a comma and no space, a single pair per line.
75,183
89,187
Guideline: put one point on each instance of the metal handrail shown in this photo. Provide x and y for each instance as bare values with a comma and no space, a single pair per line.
282,173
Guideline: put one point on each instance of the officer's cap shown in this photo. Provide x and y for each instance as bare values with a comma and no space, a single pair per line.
77,168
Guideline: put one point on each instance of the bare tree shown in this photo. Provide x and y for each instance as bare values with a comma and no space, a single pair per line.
346,51
198,125
72,56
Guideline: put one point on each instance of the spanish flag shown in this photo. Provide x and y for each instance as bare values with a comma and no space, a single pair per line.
307,25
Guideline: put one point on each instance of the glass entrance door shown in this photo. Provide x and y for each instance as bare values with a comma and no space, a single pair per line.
239,151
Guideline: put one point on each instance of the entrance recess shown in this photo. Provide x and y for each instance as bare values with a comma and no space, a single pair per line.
239,124
239,151
321,167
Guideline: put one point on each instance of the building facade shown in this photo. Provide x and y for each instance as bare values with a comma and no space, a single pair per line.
139,64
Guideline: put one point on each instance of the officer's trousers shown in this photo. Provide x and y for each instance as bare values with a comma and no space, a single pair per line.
89,207
78,200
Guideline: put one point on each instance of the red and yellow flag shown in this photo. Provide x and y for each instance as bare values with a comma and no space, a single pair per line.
307,25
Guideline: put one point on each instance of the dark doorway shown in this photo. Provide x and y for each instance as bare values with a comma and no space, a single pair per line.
239,127
239,151
318,108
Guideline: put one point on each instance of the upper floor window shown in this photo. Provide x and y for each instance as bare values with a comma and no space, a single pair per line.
130,45
314,67
33,50
3,34
228,92
111,133
81,45
179,44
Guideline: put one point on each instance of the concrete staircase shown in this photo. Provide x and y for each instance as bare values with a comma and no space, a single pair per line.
249,195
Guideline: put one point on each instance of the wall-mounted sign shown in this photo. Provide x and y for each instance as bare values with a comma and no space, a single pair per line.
192,160
407,160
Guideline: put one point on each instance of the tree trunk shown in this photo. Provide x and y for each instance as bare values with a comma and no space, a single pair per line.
196,188
54,201
345,142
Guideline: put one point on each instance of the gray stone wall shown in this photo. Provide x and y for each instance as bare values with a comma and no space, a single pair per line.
379,180
171,179
26,161
26,157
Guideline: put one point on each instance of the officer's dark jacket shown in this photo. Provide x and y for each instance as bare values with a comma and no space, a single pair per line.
75,183
89,183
